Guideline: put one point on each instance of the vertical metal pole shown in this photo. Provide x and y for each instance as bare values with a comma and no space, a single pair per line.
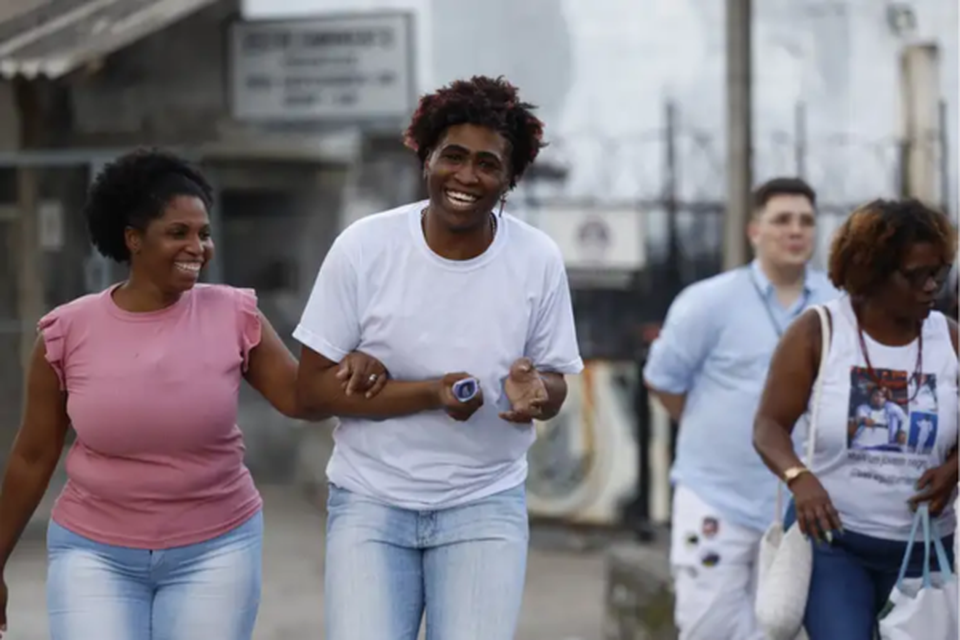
902,176
30,277
800,140
739,131
670,197
638,512
944,157
30,283
920,95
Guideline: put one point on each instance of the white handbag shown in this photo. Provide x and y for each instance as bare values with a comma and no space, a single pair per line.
786,559
922,608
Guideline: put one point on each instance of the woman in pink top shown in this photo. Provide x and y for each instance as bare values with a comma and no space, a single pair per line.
157,533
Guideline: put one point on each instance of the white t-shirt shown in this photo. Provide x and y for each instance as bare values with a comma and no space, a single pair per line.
871,471
383,291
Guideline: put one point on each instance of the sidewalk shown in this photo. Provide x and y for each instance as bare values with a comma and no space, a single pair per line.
563,600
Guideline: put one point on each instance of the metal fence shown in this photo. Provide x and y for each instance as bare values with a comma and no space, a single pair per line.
686,163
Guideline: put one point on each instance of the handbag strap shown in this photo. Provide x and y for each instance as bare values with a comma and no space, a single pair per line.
917,518
924,511
930,541
825,334
937,542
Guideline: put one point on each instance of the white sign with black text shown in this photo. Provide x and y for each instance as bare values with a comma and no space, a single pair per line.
355,68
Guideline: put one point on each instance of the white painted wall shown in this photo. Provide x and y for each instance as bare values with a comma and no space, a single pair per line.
601,69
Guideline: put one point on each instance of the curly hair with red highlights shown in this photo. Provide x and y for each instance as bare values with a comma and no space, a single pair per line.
869,247
481,101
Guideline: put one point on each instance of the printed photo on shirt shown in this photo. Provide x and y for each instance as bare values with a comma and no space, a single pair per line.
923,414
892,411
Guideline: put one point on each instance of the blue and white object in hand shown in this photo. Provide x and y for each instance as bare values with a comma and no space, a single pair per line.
466,390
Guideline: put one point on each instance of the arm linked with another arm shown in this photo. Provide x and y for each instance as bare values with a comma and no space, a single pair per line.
273,371
320,390
330,329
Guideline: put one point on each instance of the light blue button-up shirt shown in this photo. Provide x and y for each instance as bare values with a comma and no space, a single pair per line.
715,346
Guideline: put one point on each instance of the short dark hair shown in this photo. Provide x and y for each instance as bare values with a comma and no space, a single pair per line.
782,186
482,101
135,189
869,246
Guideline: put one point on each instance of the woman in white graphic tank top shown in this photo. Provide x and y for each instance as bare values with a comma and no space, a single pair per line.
886,434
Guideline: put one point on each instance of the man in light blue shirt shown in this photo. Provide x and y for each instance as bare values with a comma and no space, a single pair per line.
707,368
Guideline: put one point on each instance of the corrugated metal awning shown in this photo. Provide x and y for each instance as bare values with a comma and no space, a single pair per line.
54,38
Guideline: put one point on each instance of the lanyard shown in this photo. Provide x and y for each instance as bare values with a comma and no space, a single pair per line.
766,303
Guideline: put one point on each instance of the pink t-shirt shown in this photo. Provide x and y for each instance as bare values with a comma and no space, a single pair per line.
158,458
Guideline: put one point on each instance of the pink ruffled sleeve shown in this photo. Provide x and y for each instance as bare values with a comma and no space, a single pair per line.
51,327
250,329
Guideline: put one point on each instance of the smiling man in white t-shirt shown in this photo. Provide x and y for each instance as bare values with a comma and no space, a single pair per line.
427,509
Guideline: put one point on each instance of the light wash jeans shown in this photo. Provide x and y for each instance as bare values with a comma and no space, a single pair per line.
464,566
205,591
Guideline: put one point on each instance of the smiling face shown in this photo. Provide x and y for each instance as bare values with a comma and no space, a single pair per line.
467,174
174,248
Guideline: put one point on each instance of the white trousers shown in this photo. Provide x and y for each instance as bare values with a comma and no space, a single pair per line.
714,570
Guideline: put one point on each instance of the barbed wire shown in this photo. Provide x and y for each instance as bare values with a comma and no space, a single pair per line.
843,168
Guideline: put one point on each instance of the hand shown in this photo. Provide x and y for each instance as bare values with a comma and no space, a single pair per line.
816,514
936,486
525,390
360,373
460,411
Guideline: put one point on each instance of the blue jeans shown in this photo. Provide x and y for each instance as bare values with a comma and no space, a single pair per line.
851,581
206,591
464,566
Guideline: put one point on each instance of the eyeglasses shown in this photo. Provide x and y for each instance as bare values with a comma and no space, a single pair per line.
919,276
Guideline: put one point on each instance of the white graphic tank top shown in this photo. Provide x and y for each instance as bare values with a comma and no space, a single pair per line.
874,444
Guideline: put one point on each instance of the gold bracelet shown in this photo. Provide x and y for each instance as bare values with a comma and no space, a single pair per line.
793,473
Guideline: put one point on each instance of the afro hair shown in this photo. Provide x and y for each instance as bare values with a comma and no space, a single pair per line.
481,101
133,190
